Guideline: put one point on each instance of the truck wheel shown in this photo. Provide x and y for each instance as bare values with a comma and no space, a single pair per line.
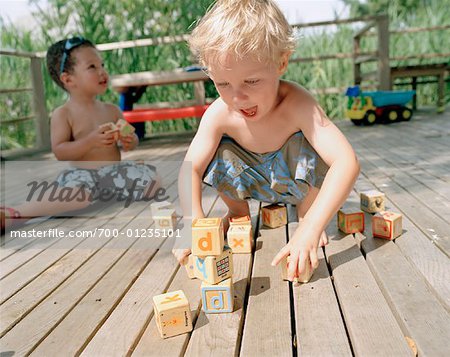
406,114
357,122
370,118
391,116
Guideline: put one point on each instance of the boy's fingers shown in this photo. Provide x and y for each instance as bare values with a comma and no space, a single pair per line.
302,261
281,254
292,266
314,259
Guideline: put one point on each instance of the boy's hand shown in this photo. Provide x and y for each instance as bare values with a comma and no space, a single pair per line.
181,255
104,136
302,249
129,142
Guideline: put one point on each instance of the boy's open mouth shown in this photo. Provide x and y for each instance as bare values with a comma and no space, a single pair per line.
104,82
249,112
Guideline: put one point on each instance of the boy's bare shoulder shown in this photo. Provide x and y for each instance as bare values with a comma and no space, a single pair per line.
217,115
295,94
60,114
113,110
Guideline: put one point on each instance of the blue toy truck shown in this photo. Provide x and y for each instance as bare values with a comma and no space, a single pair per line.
377,107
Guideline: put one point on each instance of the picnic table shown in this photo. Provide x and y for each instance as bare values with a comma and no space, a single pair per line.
132,86
94,297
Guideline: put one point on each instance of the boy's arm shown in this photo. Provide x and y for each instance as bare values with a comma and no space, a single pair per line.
335,150
65,148
198,156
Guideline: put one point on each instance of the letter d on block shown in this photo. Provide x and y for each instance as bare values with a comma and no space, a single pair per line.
217,301
205,243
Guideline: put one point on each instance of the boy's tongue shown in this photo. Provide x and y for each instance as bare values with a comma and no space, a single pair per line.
249,111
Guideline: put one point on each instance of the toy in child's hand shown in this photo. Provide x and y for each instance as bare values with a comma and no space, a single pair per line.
120,129
110,128
124,127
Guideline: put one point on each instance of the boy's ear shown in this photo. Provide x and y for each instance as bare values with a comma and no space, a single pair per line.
284,62
66,79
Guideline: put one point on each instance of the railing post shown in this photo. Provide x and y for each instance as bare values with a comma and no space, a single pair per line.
384,69
42,119
356,65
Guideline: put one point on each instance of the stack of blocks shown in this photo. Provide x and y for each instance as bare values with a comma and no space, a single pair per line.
172,313
164,215
211,261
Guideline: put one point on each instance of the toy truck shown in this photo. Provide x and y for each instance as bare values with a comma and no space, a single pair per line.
384,107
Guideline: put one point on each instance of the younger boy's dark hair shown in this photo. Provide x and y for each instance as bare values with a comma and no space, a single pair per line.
55,55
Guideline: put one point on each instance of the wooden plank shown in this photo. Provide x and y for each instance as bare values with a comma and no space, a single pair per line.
431,224
46,257
23,302
371,326
418,312
219,334
435,203
429,261
123,328
317,309
267,328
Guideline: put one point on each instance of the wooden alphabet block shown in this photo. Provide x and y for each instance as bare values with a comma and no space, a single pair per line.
155,207
190,266
165,219
350,220
240,238
303,278
207,236
387,225
213,269
240,221
125,129
111,128
372,201
274,216
173,314
218,298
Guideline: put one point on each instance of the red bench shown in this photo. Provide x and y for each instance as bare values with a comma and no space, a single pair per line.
154,114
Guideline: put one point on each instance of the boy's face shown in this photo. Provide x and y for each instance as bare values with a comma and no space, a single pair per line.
247,86
88,75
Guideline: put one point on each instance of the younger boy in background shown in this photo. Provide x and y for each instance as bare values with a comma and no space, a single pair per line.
81,133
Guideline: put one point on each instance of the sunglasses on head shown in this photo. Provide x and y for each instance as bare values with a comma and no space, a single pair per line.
70,44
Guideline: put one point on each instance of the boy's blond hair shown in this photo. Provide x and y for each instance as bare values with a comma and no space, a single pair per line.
255,28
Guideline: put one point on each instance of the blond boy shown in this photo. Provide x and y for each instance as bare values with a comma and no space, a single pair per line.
264,138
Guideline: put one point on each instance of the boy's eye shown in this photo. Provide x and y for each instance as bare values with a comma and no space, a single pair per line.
222,84
252,81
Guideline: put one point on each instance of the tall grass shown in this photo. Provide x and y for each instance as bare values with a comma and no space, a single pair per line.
111,20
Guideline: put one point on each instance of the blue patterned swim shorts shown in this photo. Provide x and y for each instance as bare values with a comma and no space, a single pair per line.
282,176
124,179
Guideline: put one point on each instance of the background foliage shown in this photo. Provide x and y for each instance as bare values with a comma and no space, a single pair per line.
106,21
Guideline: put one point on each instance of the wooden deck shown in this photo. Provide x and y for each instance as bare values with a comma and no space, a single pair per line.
94,297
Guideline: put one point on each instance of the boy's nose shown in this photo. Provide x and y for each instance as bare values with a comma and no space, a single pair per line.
239,96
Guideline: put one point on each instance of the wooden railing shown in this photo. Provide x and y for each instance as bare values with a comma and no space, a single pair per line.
40,114
375,26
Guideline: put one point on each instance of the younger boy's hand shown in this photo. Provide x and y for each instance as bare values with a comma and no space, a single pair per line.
104,136
181,255
129,142
302,249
